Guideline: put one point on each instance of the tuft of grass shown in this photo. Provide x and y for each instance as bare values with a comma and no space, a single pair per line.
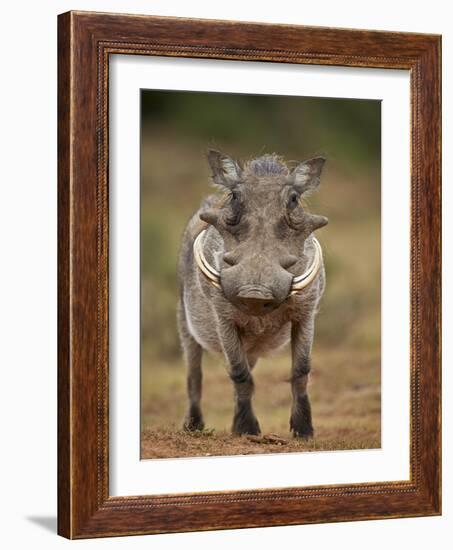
205,432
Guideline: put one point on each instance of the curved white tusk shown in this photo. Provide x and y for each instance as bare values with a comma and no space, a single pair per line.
298,284
302,281
208,271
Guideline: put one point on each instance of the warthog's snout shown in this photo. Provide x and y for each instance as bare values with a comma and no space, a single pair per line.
256,300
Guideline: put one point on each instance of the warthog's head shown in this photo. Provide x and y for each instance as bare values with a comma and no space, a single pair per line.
264,227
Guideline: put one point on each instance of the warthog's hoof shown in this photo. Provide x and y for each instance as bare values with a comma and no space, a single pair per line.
304,434
300,427
246,425
193,421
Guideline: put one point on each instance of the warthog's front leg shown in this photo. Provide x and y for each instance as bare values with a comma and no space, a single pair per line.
192,357
244,421
301,341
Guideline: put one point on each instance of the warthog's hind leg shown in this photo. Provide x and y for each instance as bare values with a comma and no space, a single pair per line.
192,355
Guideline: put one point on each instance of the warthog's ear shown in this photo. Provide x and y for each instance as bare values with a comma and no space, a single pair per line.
306,176
225,170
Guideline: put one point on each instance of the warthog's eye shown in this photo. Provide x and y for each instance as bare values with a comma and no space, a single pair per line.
293,201
294,211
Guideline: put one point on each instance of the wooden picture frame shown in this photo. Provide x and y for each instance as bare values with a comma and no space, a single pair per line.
85,42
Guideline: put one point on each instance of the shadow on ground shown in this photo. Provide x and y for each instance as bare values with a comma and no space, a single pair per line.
49,523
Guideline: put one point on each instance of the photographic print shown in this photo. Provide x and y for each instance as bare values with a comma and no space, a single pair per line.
260,274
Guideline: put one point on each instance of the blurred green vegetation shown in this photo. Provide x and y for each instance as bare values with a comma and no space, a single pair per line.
178,128
296,127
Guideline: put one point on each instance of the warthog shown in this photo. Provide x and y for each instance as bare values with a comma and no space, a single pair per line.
251,279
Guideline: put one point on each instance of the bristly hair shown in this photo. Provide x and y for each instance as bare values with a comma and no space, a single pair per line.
267,165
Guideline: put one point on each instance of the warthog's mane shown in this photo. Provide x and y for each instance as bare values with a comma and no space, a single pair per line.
266,165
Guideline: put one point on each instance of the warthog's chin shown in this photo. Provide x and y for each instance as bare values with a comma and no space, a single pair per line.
256,310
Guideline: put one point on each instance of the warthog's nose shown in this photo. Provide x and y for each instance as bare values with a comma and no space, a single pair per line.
256,300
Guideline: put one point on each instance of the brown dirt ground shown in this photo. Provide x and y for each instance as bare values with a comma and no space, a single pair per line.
168,444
